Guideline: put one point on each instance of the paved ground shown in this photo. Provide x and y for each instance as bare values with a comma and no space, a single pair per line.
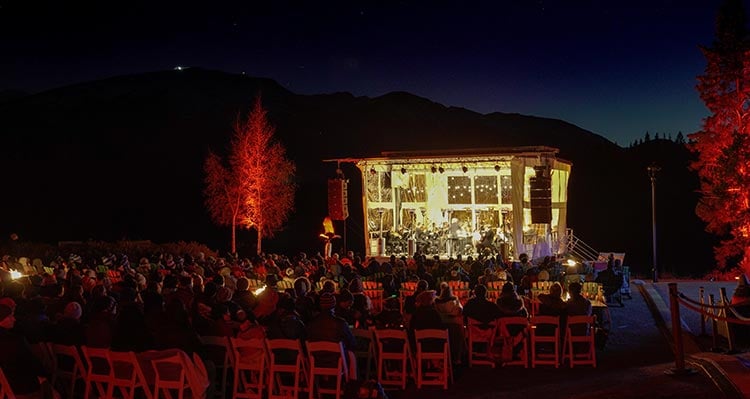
632,365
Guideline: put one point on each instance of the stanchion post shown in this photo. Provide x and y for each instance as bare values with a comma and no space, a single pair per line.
679,350
703,308
725,305
714,324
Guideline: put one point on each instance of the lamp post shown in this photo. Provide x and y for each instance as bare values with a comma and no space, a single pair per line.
653,169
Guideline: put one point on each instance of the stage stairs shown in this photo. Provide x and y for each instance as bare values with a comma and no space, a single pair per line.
579,250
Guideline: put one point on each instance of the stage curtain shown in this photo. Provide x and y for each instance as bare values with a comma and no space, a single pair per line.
517,176
436,186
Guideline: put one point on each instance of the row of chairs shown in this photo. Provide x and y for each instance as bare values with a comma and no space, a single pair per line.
102,371
521,336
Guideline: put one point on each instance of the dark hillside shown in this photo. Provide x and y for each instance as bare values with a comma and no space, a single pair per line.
122,158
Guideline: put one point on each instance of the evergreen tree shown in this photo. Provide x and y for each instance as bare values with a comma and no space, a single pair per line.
723,145
680,139
670,137
656,137
647,138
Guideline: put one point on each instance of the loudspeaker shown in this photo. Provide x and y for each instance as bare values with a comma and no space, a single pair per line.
540,198
338,204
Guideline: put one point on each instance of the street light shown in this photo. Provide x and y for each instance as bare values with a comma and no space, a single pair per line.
653,169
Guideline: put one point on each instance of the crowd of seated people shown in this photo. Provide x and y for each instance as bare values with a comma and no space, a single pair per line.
164,303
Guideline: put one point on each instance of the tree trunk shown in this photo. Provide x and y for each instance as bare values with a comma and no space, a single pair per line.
234,236
260,237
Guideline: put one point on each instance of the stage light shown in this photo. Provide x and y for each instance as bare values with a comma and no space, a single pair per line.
403,170
433,169
465,169
372,171
441,170
497,168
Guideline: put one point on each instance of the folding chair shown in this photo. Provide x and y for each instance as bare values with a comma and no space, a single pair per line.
483,335
201,375
441,358
514,331
220,352
127,375
278,368
5,391
99,372
387,340
579,334
249,366
68,367
365,349
170,376
545,331
339,371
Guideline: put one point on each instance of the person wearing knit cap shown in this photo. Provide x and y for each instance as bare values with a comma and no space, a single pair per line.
426,317
69,330
21,368
328,327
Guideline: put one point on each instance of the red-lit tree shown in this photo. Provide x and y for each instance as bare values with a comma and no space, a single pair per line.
723,145
256,189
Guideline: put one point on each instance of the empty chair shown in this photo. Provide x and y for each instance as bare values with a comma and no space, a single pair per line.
127,375
481,340
326,359
220,352
249,366
579,341
427,343
201,376
514,331
169,375
99,372
545,340
287,368
393,354
68,367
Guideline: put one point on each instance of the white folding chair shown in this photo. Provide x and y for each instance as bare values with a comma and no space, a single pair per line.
169,373
506,329
278,368
545,331
339,371
483,335
442,358
127,375
388,339
5,391
68,367
579,346
220,352
99,372
249,366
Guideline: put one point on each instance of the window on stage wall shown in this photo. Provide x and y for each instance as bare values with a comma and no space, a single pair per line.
506,192
416,190
379,187
459,190
485,190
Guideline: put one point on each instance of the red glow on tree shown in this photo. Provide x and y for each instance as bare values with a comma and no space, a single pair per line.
723,144
256,189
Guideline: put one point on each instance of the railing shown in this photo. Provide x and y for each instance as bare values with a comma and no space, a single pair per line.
579,249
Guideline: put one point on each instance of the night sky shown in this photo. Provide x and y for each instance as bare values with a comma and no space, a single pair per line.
617,68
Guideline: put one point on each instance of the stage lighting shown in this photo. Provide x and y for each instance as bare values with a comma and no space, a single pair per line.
441,170
465,169
497,168
403,170
433,169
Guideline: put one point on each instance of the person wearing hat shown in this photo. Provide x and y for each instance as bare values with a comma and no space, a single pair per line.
510,304
390,318
21,368
328,327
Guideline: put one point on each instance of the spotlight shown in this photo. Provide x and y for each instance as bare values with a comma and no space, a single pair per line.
441,170
497,168
433,169
403,170
372,171
465,169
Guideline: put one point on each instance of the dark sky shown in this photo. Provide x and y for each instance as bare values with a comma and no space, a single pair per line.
617,68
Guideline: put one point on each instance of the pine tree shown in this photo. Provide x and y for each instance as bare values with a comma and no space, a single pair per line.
647,138
723,145
656,137
680,139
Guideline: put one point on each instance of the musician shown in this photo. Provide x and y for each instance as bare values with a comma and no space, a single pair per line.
454,231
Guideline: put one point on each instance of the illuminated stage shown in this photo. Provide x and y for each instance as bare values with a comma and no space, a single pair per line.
465,202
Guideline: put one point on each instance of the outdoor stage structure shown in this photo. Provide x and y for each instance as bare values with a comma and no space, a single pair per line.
463,202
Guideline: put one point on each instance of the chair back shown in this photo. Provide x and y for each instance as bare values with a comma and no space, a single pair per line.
68,365
545,330
425,353
169,373
484,335
514,331
5,391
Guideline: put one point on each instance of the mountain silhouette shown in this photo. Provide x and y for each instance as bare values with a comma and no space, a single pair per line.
121,158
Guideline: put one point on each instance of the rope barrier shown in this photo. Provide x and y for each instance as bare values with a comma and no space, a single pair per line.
711,315
694,302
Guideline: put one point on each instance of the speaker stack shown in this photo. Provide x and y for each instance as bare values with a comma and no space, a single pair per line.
338,206
540,196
